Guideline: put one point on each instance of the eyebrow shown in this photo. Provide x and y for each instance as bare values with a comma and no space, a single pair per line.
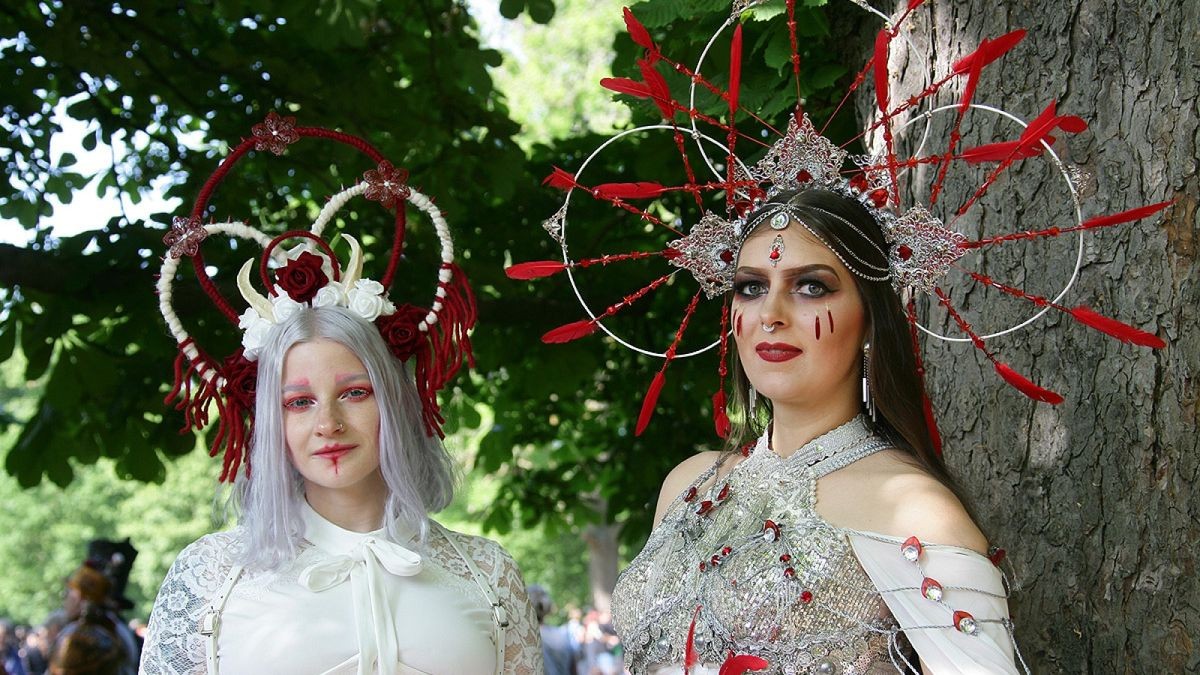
298,385
350,377
791,271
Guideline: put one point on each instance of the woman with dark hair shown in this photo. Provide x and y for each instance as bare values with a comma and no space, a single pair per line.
798,532
336,565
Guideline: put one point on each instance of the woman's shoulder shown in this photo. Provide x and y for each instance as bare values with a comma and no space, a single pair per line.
215,547
687,472
889,494
484,552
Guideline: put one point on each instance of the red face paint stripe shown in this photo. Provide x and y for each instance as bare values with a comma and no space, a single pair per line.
737,325
830,315
817,326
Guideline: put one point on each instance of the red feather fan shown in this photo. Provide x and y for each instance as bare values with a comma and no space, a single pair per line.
637,32
624,85
638,190
1123,332
560,179
1022,384
650,401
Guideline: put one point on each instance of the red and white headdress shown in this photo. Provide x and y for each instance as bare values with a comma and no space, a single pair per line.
310,275
903,185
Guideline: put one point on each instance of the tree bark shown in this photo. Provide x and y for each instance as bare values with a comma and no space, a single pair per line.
1092,498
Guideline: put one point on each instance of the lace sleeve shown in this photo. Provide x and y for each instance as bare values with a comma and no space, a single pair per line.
523,638
174,645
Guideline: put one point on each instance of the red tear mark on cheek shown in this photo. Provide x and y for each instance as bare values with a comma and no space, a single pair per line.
817,326
737,325
829,314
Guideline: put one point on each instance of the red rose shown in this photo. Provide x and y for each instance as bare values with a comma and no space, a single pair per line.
400,331
302,278
241,377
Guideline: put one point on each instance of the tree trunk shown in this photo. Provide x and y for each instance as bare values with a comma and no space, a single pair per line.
602,563
1092,498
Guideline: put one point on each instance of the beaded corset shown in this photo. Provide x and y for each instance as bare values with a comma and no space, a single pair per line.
759,571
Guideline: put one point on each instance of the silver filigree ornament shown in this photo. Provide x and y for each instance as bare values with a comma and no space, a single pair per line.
709,252
803,155
554,224
921,249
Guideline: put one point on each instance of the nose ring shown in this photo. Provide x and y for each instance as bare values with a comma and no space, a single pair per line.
768,328
340,427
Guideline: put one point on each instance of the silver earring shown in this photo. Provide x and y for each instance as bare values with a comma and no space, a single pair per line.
868,403
753,402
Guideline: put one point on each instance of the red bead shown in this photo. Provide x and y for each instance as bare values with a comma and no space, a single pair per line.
931,589
724,494
785,557
726,551
774,254
803,176
703,567
904,252
806,596
911,549
715,560
879,197
789,573
726,256
964,622
859,182
705,507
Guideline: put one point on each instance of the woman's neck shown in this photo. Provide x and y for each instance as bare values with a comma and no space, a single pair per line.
358,508
795,424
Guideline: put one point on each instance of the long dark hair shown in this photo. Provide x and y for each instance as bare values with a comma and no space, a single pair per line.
896,388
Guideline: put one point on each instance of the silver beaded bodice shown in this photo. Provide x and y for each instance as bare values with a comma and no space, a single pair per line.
760,572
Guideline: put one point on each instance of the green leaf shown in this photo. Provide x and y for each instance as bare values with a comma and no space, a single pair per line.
511,9
541,11
8,339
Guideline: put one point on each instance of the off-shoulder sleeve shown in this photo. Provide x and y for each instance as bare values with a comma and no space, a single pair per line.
174,645
951,603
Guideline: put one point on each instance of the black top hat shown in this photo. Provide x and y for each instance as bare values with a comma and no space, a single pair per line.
115,559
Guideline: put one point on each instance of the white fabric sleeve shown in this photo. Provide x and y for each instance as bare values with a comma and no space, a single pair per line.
174,645
970,583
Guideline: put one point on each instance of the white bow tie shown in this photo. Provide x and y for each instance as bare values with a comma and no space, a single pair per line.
364,565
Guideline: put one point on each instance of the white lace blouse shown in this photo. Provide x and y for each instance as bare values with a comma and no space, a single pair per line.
349,603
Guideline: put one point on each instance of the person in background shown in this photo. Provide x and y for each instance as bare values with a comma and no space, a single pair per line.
558,646
10,658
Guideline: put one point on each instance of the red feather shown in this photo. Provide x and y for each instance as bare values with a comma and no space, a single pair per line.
534,269
624,85
650,402
720,416
881,69
931,421
1126,216
569,332
913,4
1022,384
659,90
988,51
560,179
637,32
690,658
740,663
999,152
735,68
639,190
1123,332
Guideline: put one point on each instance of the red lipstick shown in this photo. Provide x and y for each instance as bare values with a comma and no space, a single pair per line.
777,352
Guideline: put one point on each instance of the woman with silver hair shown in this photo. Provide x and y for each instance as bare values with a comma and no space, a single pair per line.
335,565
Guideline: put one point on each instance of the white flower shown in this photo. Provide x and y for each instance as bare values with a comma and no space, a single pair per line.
370,286
284,306
365,301
331,294
388,308
256,330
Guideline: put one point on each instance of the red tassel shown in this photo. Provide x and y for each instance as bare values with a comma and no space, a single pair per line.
534,269
639,190
1022,384
637,32
690,658
1121,331
740,663
1126,216
624,85
649,402
720,416
560,179
935,436
569,332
